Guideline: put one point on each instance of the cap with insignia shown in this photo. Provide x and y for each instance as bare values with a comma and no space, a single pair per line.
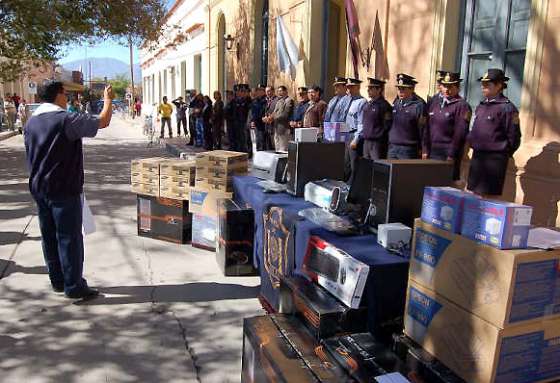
375,82
244,87
339,81
405,81
494,75
353,81
302,89
450,78
440,74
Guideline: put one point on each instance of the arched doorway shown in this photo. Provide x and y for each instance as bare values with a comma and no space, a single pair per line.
222,77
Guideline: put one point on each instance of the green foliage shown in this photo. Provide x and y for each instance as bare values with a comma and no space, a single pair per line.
32,31
119,83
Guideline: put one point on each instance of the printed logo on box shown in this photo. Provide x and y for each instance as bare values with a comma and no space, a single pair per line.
198,197
429,247
421,307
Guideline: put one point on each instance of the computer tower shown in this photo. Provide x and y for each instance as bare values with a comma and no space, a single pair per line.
398,188
312,161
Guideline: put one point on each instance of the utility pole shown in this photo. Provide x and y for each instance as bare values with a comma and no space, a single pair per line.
131,106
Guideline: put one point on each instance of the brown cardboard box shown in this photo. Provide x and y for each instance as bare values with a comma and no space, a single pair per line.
215,185
503,287
144,178
175,192
146,165
478,351
178,168
146,189
173,181
221,158
205,202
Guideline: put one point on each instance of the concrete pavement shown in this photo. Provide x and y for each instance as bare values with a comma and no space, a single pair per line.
166,314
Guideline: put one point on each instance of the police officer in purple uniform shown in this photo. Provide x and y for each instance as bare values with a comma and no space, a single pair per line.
494,137
408,134
377,120
448,123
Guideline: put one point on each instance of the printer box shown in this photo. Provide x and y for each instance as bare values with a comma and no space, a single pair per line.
306,134
206,202
478,351
504,225
443,207
204,232
165,219
501,286
336,132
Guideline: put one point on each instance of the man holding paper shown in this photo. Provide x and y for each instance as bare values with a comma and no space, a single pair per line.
53,143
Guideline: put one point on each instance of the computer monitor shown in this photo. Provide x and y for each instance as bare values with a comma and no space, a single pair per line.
359,194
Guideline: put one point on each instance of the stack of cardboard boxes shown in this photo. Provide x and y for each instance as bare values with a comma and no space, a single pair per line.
477,300
214,180
163,188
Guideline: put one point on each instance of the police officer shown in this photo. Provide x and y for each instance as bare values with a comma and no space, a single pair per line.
300,108
438,97
338,105
258,110
376,121
241,106
228,116
408,135
448,123
354,123
494,137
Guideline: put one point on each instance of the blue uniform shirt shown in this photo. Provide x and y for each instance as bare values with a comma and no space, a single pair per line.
338,109
53,143
299,111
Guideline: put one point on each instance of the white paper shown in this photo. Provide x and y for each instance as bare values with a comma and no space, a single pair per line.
88,222
543,238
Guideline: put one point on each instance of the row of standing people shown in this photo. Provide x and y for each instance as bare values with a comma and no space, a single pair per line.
440,129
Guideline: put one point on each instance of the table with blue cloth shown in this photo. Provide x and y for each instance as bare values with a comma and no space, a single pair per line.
385,289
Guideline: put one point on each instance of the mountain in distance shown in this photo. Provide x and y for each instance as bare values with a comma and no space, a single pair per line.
104,67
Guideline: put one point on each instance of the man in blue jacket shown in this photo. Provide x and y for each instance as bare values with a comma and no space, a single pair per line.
53,142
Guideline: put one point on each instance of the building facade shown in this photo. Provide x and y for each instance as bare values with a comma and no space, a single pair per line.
417,37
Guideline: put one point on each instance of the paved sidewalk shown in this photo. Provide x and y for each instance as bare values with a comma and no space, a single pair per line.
167,314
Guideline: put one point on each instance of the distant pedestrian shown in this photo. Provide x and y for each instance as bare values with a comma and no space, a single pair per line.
181,114
53,144
165,110
191,95
22,113
138,108
218,120
228,117
16,100
196,106
11,113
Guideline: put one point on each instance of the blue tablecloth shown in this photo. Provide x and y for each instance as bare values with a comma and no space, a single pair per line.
247,192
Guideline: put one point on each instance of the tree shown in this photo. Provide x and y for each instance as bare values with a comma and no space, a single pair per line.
33,31
120,83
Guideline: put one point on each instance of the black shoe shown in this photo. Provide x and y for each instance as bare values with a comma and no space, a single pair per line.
85,293
57,288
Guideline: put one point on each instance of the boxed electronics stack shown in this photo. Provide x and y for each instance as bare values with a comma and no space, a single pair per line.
162,187
214,175
478,300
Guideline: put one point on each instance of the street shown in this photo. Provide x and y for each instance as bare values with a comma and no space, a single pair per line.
166,313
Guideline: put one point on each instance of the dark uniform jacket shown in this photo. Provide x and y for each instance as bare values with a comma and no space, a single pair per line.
377,119
436,98
299,111
241,107
218,113
258,111
448,124
496,126
409,122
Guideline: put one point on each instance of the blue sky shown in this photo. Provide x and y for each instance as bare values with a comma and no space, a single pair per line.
104,49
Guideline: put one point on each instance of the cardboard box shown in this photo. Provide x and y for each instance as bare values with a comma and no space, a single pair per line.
204,232
478,351
164,219
443,207
146,189
144,178
236,235
503,225
221,158
178,168
174,181
206,202
146,165
176,192
501,286
336,132
225,186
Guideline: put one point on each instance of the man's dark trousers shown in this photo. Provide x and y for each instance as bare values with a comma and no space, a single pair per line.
60,221
192,129
166,120
183,121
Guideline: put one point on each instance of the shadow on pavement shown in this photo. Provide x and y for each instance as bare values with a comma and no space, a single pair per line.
8,268
186,293
12,237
